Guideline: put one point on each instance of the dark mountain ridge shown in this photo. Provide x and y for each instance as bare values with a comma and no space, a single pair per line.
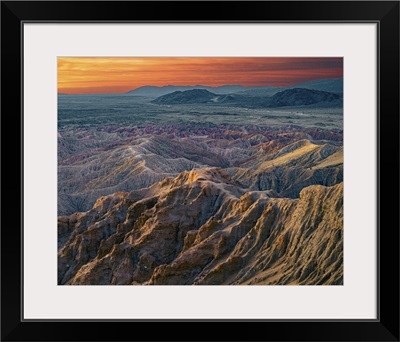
186,97
332,85
302,97
285,98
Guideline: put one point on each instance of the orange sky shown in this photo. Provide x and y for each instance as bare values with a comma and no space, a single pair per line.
87,75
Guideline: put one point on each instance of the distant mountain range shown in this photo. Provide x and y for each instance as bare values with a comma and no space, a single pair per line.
188,97
154,91
285,98
328,85
333,85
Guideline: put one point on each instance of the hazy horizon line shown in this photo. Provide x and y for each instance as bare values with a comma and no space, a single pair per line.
199,85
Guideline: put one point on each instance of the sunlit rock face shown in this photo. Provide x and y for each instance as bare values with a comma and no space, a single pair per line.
202,228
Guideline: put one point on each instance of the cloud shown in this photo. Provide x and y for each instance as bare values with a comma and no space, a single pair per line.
99,74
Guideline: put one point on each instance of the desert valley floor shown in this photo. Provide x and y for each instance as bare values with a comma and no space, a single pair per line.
177,193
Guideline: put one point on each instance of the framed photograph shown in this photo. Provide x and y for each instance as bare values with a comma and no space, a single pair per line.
200,162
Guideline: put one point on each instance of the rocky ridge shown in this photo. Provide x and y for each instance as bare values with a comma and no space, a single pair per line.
203,228
94,163
295,97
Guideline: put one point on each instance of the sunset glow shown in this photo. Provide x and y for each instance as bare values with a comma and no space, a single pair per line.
117,75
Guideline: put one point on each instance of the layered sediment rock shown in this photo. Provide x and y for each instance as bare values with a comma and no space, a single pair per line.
204,228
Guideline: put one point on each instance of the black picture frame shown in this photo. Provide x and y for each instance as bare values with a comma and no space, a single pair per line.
15,328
